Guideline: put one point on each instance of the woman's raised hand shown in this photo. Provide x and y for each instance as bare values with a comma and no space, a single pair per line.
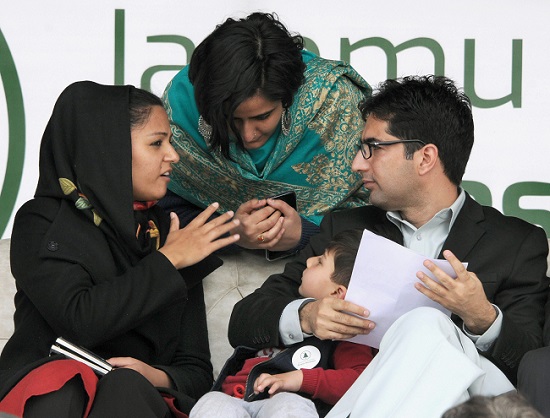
187,246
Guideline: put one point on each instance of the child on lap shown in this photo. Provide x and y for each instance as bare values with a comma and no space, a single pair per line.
287,381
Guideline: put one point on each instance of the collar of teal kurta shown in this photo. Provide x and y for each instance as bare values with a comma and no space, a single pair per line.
314,159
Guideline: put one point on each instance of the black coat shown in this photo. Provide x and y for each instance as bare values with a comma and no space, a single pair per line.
72,283
507,254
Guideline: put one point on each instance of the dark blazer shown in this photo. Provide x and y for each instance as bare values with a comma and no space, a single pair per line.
72,283
507,254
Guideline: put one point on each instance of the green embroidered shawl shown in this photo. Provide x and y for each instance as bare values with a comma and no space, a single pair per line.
314,159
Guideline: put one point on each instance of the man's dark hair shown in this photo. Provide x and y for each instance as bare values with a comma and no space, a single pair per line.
344,247
507,405
429,108
238,60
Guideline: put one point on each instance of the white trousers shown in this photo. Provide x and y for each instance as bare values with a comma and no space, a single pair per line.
281,405
425,366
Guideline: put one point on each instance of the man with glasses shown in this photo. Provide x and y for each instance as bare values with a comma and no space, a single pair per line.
412,155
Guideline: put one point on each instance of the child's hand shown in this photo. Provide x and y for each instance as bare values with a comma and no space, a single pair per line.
283,382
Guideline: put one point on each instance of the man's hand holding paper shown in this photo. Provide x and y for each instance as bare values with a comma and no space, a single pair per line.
334,319
385,280
462,295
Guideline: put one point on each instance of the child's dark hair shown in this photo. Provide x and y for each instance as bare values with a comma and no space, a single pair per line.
343,247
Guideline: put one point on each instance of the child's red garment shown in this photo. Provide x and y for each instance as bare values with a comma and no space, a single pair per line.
329,385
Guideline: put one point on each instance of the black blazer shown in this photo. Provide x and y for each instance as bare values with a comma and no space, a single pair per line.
72,283
507,254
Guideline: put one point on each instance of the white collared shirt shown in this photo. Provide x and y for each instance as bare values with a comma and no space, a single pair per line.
428,240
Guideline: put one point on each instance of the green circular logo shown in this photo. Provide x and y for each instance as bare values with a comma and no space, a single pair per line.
16,134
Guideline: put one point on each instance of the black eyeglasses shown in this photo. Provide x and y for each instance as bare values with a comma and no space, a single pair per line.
368,146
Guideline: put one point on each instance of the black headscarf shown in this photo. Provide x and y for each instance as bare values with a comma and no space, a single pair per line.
86,157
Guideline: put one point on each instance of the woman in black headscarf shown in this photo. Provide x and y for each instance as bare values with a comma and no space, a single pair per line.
97,263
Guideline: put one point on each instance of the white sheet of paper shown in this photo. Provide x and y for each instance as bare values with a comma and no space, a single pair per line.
383,280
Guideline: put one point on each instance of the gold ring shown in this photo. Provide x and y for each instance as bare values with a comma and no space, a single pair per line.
261,238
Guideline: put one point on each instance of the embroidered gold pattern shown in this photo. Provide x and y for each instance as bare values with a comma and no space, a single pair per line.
325,108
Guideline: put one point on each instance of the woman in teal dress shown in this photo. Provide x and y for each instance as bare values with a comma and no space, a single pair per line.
254,115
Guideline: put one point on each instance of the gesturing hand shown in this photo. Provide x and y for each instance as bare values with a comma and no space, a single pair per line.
187,246
463,296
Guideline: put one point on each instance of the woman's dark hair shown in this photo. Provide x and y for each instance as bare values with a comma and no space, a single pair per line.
344,246
429,108
140,104
239,59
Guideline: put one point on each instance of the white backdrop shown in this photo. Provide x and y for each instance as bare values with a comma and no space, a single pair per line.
54,43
